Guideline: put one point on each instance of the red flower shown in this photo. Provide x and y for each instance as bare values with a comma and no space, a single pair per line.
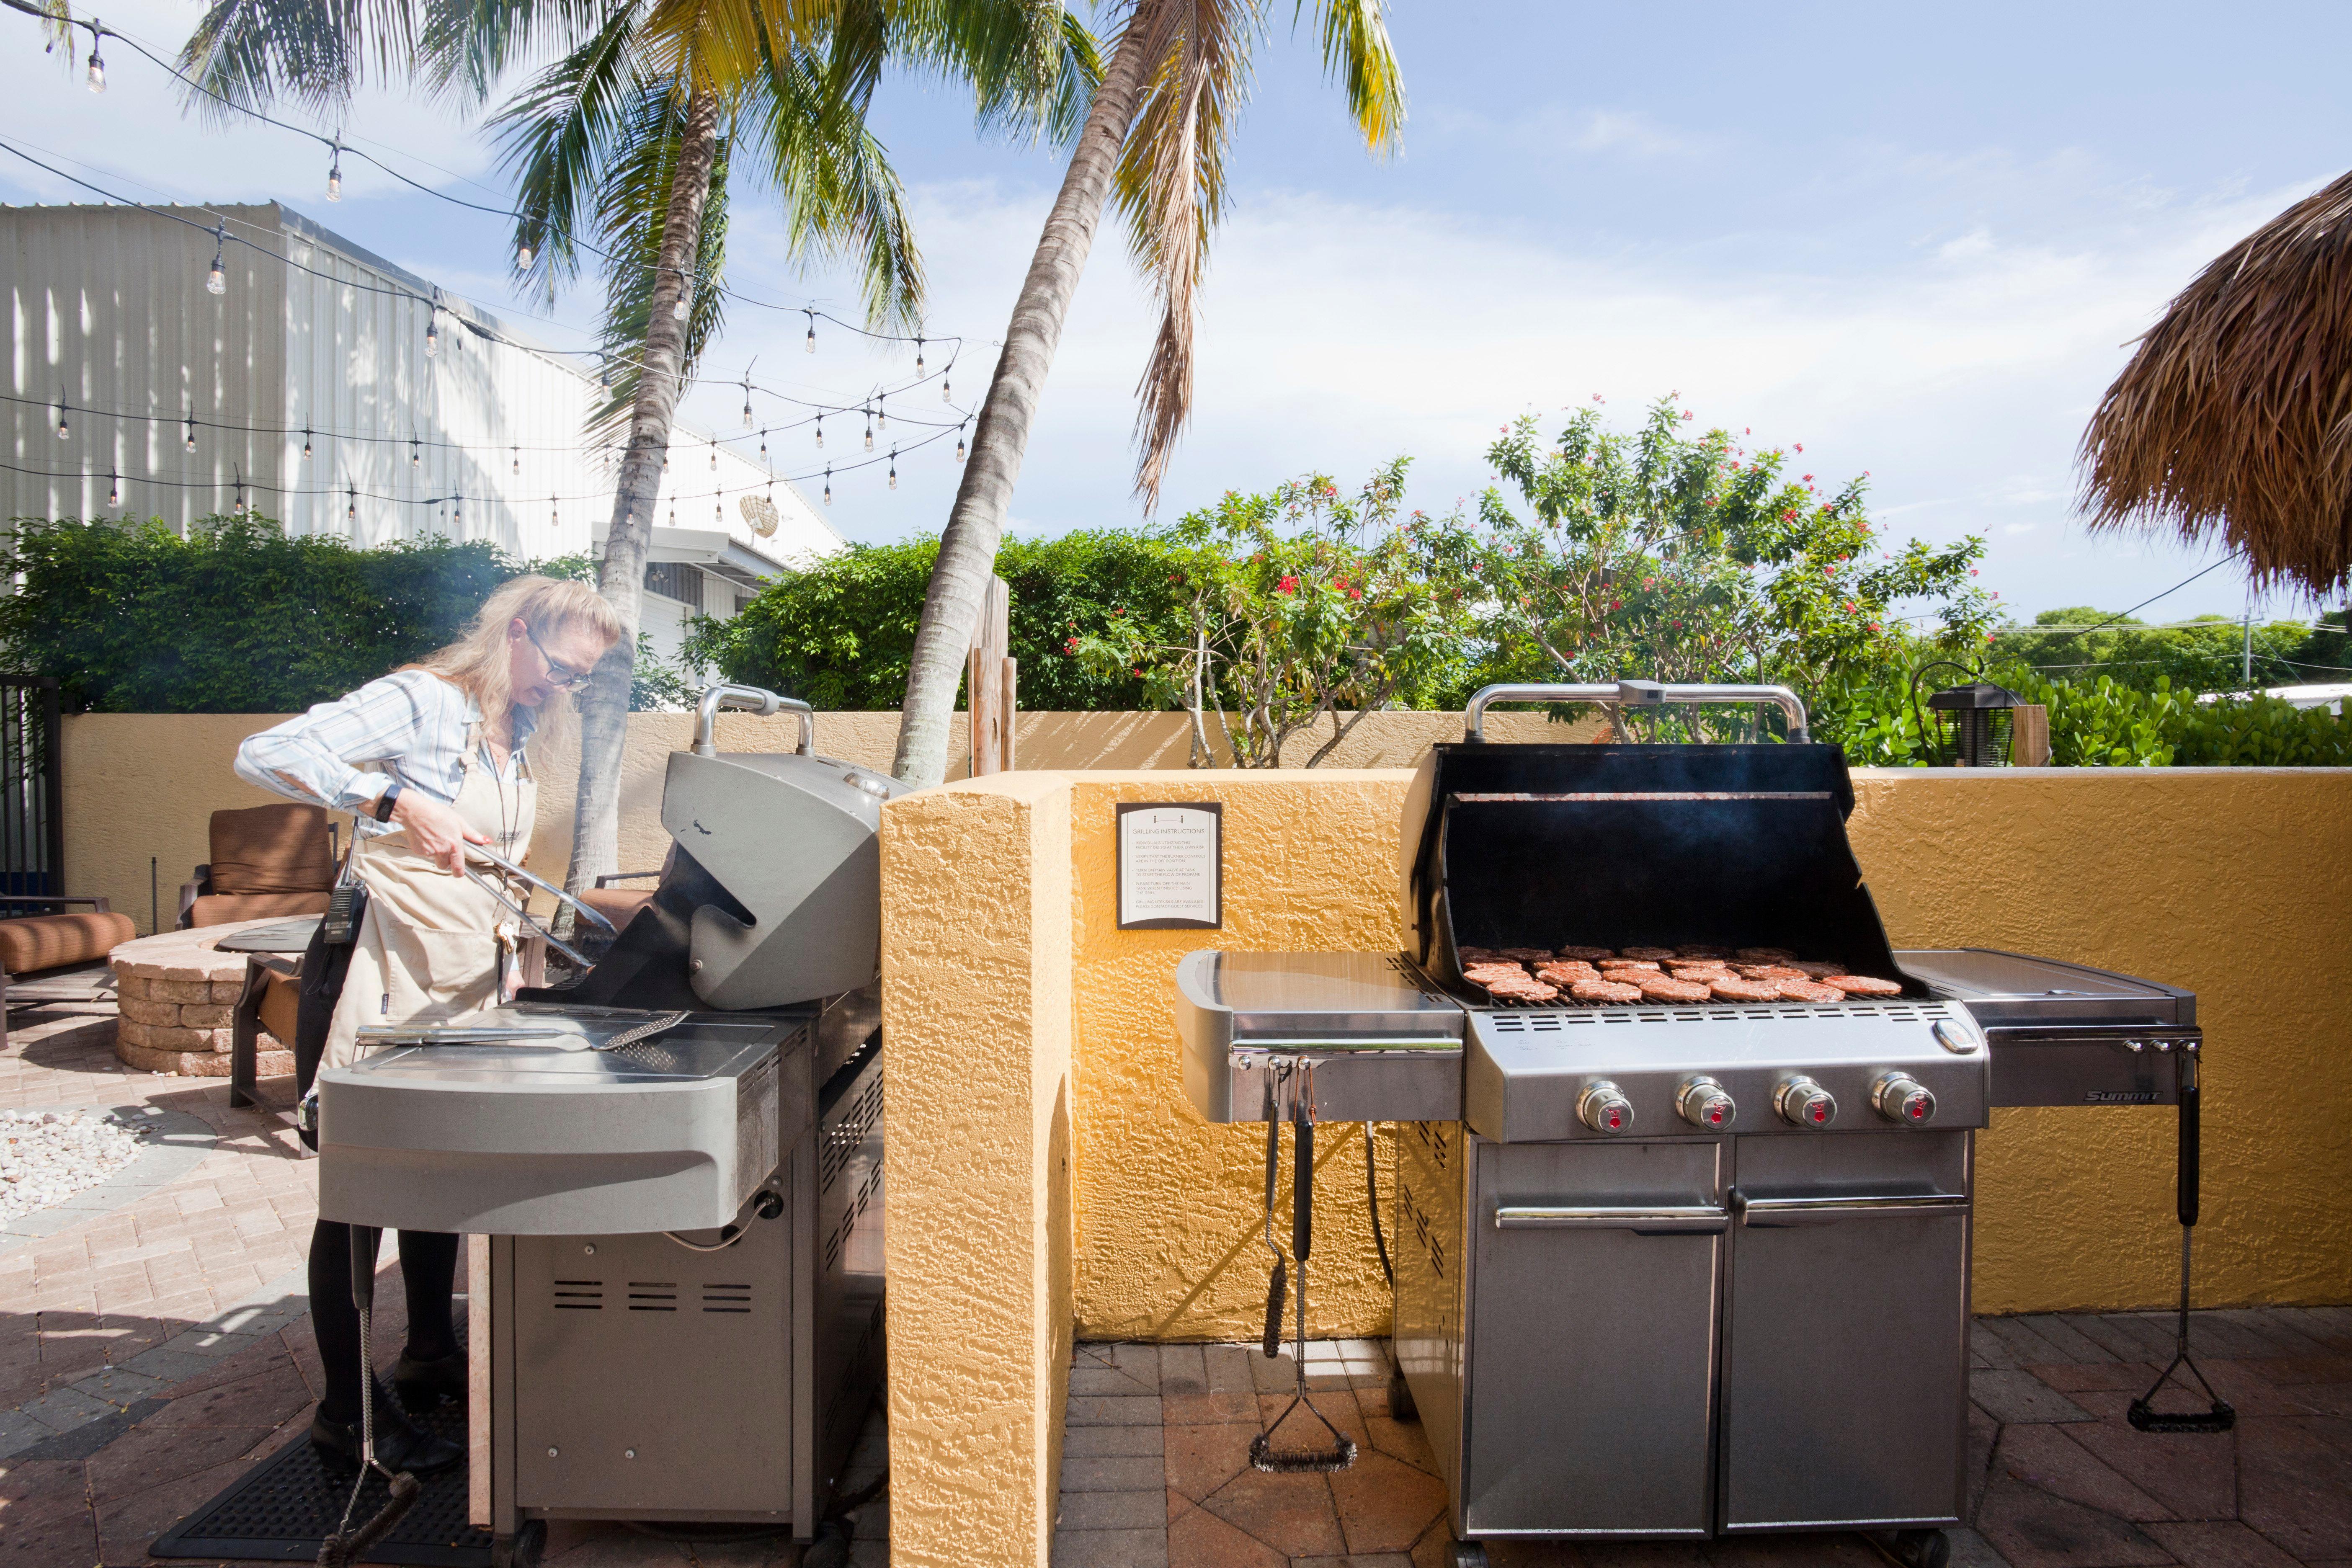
1359,593
1071,646
1687,414
1809,478
1139,670
1288,585
1972,571
1800,446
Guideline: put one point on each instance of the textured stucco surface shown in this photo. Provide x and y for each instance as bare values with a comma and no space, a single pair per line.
141,784
2230,881
976,966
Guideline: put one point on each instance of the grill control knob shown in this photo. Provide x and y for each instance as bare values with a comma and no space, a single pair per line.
1704,1105
1803,1103
1898,1097
1604,1109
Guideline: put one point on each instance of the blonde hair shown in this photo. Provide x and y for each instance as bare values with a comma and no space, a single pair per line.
477,663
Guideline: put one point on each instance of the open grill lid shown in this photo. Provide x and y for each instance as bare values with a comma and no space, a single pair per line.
1619,845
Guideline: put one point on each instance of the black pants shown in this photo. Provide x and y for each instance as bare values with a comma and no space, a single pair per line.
428,1260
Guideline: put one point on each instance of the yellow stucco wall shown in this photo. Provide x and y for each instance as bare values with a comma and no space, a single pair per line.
146,785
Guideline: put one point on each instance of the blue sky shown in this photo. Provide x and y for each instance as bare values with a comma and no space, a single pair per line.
1917,242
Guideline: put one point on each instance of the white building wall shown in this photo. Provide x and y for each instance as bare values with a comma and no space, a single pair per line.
110,303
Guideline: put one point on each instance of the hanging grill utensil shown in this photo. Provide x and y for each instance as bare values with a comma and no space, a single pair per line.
1276,1284
346,1546
2220,1416
1263,1454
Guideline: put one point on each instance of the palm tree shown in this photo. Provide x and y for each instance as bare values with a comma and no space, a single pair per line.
631,135
1157,133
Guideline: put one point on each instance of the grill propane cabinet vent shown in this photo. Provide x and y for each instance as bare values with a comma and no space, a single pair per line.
1671,1268
676,1164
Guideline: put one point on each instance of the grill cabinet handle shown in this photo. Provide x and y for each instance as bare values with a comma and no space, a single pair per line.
1829,1210
1633,694
1649,1219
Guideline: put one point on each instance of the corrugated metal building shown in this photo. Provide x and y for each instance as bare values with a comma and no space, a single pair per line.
306,386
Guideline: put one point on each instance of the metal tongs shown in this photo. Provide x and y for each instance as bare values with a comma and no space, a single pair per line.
522,914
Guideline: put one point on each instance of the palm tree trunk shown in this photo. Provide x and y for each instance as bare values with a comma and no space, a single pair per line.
605,703
968,548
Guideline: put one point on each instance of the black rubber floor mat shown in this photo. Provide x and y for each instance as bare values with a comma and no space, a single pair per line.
282,1509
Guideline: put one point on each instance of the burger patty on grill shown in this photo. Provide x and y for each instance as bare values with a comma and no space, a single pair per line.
1665,988
1770,972
1653,953
1691,968
1809,991
1863,985
1525,955
1628,966
1731,988
1764,955
1587,954
1604,991
1817,970
1565,973
1694,950
1479,974
1469,955
1523,989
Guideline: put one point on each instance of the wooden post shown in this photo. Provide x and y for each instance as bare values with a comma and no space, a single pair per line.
989,683
2029,736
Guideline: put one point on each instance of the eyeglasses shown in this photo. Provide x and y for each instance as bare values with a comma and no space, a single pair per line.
560,676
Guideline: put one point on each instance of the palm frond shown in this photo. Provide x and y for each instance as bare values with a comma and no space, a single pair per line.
1032,65
1171,189
316,53
2234,417
558,136
464,46
1356,51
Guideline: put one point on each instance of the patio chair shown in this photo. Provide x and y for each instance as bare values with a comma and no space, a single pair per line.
47,961
267,861
619,905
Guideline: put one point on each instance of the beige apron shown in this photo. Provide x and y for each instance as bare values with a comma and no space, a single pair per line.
431,944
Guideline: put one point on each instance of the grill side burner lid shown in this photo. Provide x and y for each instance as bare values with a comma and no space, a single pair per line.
2011,991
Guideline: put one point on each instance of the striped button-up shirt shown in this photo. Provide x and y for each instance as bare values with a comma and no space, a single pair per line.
411,724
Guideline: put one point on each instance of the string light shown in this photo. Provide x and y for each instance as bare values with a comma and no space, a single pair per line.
809,344
882,412
869,429
192,429
763,449
416,456
554,517
63,431
918,357
718,512
352,513
113,486
945,395
685,299
238,509
820,432
747,397
894,468
94,74
335,172
306,440
605,372
518,458
217,280
523,254
433,333
828,484
457,513
714,455
958,443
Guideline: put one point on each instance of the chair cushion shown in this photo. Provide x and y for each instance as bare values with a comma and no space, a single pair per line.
280,1001
50,941
220,908
272,850
619,905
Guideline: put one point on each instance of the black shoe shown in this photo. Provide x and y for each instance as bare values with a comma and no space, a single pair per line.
422,1384
399,1444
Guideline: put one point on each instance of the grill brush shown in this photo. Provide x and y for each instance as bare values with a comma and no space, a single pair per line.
1263,1454
2219,1415
345,1547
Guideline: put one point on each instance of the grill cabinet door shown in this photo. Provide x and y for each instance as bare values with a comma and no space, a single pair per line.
1845,1338
1592,1350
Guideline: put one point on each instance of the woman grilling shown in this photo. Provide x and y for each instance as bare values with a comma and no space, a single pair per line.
449,735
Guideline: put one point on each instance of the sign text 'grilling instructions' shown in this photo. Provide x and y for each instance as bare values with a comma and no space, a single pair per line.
1172,866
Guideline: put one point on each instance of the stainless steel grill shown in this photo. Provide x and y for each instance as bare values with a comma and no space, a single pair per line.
1671,1271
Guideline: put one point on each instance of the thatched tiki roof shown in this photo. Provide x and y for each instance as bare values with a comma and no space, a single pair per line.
2235,415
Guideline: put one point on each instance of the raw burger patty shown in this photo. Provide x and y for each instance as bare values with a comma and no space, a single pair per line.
1644,965
1527,954
1560,973
1697,951
1604,991
1864,985
1494,966
1770,972
1660,988
1587,954
1521,990
1764,955
1808,991
1654,954
1732,989
1817,970
1694,966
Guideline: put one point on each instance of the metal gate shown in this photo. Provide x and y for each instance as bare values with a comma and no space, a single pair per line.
32,824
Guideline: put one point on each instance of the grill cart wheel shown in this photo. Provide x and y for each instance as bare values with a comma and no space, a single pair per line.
1922,1548
521,1549
1469,1554
1401,1405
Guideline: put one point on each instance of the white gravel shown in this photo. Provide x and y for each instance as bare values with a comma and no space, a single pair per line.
48,1156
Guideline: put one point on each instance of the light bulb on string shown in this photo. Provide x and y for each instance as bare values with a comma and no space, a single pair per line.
918,357
306,441
217,280
63,429
946,396
239,509
517,460
605,372
433,333
882,412
718,512
192,429
113,486
523,253
820,432
685,299
352,513
763,449
869,429
958,443
554,517
809,344
335,174
894,468
415,453
828,484
94,74
747,400
673,514
457,513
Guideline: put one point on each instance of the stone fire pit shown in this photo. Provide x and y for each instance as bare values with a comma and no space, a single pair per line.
175,992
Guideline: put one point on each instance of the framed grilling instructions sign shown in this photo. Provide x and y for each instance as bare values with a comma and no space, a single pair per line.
1172,864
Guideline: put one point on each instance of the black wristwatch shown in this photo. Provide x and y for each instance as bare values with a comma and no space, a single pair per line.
383,801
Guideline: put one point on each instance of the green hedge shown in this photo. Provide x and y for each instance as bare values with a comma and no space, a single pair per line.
841,635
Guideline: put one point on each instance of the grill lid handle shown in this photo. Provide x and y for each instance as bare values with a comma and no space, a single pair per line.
1634,694
748,700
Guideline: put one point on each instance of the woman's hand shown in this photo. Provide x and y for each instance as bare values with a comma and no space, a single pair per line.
435,830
